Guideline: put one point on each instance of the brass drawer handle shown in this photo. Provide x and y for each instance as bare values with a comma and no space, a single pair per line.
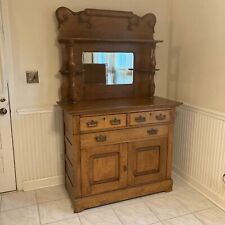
101,138
115,121
160,117
140,119
92,123
152,131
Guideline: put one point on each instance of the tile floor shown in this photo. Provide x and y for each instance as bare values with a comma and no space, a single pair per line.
182,206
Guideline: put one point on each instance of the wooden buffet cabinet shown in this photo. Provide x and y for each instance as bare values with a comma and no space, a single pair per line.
118,138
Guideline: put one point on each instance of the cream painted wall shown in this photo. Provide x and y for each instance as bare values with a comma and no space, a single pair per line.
197,53
34,39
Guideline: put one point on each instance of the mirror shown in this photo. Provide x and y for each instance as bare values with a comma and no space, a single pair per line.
110,68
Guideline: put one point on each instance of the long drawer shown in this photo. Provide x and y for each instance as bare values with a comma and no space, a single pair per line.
120,136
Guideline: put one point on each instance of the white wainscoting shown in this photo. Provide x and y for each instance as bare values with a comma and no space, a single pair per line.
199,150
38,143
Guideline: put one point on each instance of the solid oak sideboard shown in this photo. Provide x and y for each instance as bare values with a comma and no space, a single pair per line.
118,135
118,149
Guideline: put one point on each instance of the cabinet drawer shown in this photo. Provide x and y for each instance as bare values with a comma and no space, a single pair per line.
140,118
120,136
102,122
160,116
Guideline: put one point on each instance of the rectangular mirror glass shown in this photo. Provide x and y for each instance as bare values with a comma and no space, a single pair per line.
110,68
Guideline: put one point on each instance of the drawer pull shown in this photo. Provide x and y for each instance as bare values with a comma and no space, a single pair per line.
140,119
115,121
101,138
160,117
152,131
92,123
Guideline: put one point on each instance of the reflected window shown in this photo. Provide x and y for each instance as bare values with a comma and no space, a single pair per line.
118,66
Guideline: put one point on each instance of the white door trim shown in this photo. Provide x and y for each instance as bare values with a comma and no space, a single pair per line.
4,8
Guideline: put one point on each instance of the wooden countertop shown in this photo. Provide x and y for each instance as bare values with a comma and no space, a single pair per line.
118,105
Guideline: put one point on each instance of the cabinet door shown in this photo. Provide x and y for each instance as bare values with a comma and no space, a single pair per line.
104,169
147,161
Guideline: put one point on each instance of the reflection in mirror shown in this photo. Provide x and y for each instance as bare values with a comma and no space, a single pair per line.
109,68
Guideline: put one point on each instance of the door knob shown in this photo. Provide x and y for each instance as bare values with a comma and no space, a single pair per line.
3,111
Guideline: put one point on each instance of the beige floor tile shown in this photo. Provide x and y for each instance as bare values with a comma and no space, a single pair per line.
213,216
183,220
56,210
127,202
135,214
181,186
102,216
51,194
95,209
194,201
73,221
19,199
166,208
22,216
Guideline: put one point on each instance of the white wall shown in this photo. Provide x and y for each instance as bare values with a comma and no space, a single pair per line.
197,68
34,33
38,135
197,76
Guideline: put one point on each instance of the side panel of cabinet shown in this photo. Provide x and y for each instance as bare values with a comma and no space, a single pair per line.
104,169
147,161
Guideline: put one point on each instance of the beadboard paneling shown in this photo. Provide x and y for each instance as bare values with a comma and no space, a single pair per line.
38,143
199,150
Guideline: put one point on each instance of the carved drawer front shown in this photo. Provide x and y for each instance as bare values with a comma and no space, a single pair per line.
103,169
159,116
139,118
102,122
120,136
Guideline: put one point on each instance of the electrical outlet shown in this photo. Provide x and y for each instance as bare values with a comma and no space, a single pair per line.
32,76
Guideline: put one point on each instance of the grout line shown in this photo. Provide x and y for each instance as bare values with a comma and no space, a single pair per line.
79,218
116,215
39,216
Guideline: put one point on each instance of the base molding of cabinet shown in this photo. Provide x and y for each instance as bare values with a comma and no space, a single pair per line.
120,195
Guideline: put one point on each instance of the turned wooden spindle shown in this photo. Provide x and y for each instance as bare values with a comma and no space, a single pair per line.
72,74
152,73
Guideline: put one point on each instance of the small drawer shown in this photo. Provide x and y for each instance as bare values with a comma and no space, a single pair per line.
160,116
121,136
102,122
149,117
138,118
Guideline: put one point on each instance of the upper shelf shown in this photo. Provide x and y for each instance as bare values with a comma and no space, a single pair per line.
74,39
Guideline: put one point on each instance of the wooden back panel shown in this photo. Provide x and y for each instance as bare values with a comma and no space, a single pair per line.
110,31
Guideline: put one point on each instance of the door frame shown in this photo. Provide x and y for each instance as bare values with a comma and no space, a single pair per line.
9,72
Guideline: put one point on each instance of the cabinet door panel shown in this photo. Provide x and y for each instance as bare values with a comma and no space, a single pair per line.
104,169
147,161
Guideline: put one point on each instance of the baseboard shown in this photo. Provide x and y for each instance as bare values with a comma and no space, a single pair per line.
42,183
212,196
